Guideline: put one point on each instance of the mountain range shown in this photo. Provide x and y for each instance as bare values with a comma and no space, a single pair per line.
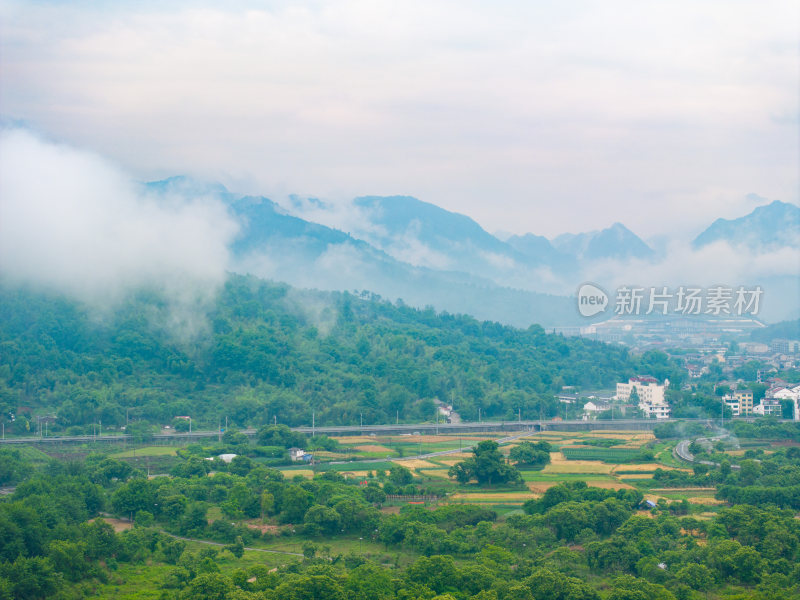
403,248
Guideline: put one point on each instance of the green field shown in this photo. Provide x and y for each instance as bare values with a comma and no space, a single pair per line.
146,451
615,455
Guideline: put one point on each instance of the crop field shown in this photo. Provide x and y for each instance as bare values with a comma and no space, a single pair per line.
592,453
559,465
373,448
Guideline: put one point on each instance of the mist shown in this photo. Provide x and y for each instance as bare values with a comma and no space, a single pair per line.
72,222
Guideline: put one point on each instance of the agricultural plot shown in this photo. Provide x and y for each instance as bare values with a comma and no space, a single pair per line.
146,451
616,455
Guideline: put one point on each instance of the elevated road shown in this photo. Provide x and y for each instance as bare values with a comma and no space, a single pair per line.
396,429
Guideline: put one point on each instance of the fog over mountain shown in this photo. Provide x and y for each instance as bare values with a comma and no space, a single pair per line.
71,221
776,225
420,233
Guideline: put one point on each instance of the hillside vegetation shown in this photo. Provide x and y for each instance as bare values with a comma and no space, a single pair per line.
266,352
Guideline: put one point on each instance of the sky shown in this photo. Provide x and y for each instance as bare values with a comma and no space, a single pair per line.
528,117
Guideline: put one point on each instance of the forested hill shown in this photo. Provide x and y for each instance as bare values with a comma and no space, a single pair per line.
268,351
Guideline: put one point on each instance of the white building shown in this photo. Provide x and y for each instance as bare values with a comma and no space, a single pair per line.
789,392
769,407
651,396
733,404
297,453
592,409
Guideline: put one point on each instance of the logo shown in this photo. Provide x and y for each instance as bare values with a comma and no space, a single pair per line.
591,300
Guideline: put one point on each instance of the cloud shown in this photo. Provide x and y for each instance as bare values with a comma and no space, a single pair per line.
776,271
542,117
73,222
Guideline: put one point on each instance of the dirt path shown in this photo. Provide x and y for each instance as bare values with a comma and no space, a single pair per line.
185,539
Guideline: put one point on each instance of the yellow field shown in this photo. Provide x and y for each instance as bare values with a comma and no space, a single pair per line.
635,476
496,497
372,448
415,463
540,487
357,439
610,485
451,459
326,454
705,501
435,473
308,473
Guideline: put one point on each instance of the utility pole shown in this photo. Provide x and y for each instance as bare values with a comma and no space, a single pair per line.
190,425
519,415
362,419
313,422
219,430
397,417
479,414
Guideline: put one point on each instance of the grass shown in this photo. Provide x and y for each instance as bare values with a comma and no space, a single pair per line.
146,451
32,454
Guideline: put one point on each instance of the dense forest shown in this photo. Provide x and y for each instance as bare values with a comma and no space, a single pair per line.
266,352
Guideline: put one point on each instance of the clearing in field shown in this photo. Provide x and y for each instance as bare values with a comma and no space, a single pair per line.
118,524
610,485
498,497
705,500
373,448
415,463
308,473
358,439
434,473
451,459
559,465
540,487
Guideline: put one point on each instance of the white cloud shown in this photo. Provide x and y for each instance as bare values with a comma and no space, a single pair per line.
71,221
526,116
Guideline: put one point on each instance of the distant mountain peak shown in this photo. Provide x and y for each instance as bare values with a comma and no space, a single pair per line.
185,185
615,242
770,226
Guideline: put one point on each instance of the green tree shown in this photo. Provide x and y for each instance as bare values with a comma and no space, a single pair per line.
208,586
487,466
400,475
696,576
530,454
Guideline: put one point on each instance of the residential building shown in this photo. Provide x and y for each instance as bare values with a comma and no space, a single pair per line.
769,407
785,391
745,400
785,346
733,404
649,393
